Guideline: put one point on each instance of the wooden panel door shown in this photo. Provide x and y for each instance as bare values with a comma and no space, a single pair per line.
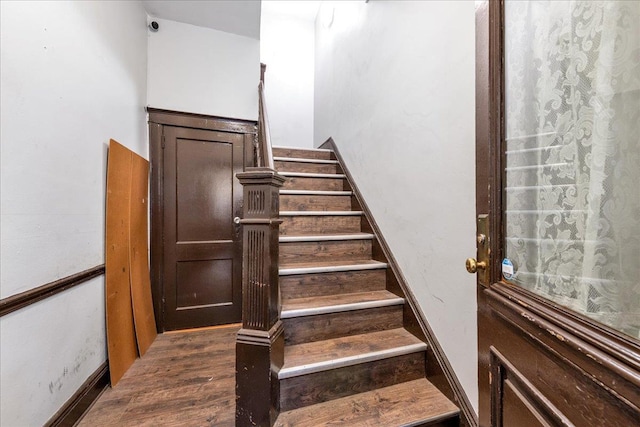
202,244
556,137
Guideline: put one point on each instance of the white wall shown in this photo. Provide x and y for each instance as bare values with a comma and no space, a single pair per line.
287,47
73,75
200,70
395,88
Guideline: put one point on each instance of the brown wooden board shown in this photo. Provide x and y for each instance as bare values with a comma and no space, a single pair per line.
121,342
143,315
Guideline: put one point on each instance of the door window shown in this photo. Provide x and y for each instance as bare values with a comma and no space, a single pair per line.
572,130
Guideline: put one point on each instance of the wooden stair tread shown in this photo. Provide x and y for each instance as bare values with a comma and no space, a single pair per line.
338,303
320,213
330,266
318,356
284,147
326,237
313,175
334,264
305,160
303,153
315,193
410,403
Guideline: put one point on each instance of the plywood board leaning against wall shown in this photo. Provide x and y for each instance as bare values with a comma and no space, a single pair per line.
121,341
143,317
131,326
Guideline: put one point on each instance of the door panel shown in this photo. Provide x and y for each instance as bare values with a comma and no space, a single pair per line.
202,245
552,357
204,190
204,283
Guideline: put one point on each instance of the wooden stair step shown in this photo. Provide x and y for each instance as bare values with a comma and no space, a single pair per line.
305,153
315,200
290,164
283,167
313,306
298,330
411,403
313,175
304,200
310,389
314,181
320,213
326,237
331,283
319,250
315,193
305,160
326,317
319,222
330,267
319,356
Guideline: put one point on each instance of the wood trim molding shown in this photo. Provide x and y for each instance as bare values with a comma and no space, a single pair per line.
156,250
505,374
588,332
608,360
466,409
75,408
24,299
200,121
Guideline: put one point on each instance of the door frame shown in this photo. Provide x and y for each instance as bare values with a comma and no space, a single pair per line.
158,118
606,357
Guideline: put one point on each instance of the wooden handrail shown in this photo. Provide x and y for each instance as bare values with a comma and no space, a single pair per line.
264,150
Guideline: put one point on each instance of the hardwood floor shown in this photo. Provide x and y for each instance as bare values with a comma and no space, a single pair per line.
186,378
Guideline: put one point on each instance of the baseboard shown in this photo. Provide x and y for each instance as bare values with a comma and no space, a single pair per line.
468,415
75,408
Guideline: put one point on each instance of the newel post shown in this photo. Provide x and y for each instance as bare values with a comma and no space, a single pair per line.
260,342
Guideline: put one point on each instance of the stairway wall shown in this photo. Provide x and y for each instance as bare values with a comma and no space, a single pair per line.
73,75
286,47
394,85
204,71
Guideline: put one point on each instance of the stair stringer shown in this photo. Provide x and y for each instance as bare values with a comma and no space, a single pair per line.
439,369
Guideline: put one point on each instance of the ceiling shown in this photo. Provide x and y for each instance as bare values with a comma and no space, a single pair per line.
303,9
240,17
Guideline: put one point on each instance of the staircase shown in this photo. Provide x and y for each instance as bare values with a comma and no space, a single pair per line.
348,359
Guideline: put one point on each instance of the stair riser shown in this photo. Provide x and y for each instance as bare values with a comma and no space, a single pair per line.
332,384
302,154
314,203
346,250
321,184
322,284
306,167
306,225
303,329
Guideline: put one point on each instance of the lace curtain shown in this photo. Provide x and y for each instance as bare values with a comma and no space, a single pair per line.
572,99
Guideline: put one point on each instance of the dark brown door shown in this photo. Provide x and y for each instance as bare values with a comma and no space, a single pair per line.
202,244
558,162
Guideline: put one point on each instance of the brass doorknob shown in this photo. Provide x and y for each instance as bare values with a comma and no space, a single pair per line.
473,265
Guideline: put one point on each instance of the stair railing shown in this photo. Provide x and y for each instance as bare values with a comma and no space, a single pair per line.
260,341
264,150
